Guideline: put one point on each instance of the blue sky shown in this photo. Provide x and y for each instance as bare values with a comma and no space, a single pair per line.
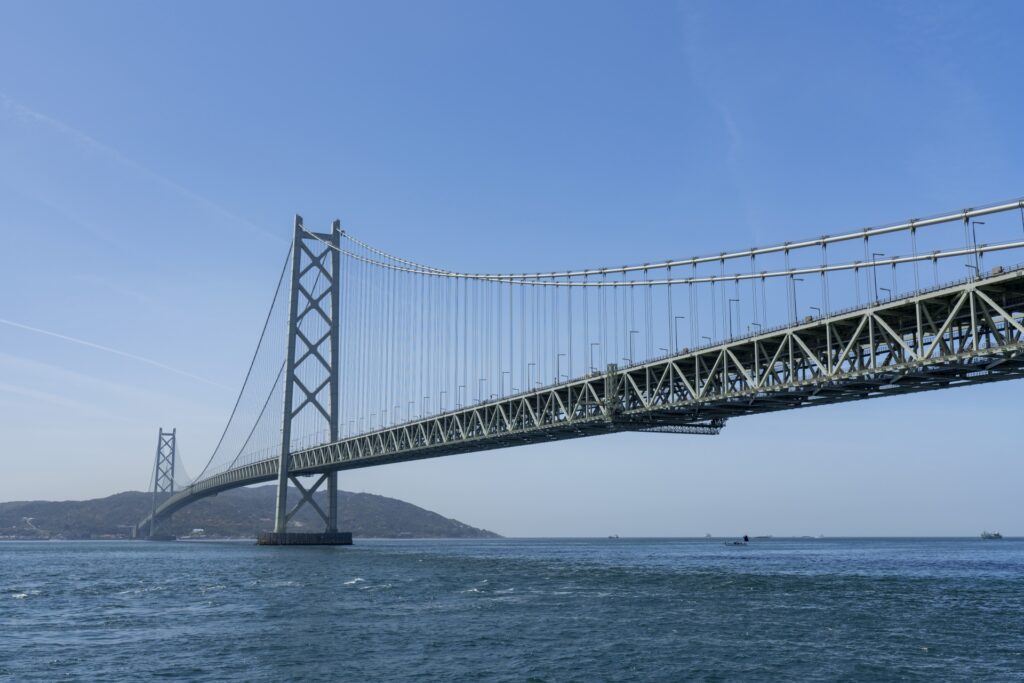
152,156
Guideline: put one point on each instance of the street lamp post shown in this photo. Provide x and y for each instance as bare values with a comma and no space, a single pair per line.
874,271
675,332
974,236
592,345
731,302
796,312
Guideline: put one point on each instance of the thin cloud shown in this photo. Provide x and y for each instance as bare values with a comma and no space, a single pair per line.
116,352
61,401
28,115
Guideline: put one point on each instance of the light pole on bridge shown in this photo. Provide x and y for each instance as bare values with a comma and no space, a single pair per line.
874,271
675,332
731,302
796,311
974,236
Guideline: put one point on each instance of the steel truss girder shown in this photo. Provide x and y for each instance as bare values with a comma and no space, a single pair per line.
968,333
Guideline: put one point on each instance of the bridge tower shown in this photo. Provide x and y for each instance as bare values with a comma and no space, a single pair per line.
163,474
311,378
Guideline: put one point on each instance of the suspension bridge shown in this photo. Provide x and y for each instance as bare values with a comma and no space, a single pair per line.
367,358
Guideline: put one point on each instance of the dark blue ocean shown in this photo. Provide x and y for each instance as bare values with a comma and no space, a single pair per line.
514,610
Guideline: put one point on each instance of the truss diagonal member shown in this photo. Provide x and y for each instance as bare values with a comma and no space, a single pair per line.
307,497
808,354
711,373
896,337
664,377
740,366
315,260
636,390
837,369
940,334
1000,310
684,380
313,304
312,349
769,369
311,397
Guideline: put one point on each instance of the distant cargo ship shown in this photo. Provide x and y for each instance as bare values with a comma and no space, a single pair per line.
991,535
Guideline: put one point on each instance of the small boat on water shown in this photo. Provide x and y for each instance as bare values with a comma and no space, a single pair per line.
991,535
746,539
614,536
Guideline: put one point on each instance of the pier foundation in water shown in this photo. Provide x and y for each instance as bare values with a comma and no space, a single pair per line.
294,538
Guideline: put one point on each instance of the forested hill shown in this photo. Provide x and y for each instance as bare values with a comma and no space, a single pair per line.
238,513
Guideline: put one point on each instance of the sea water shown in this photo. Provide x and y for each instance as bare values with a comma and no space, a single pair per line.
514,610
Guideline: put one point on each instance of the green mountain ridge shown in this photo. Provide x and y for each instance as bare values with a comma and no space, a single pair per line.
238,513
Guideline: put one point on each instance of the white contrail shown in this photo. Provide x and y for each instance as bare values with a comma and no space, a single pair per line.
118,352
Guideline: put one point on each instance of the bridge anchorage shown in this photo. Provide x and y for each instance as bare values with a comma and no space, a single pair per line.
387,360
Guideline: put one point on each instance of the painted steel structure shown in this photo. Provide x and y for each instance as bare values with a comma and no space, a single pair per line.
966,332
163,473
308,370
